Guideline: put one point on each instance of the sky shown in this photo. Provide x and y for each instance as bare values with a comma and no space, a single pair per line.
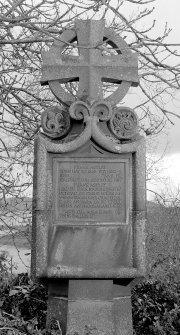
168,11
167,145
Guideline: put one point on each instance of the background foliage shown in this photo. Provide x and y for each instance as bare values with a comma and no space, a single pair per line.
156,308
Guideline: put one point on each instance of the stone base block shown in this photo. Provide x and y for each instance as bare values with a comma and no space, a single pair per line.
123,316
90,307
90,317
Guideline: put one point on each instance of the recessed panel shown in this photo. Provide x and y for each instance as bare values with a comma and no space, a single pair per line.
90,248
90,190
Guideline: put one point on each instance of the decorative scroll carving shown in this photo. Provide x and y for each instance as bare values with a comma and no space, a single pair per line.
124,123
101,110
55,122
79,110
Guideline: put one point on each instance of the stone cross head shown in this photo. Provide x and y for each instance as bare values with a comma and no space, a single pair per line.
92,66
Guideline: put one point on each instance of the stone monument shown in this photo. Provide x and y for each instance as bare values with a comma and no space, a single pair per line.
89,185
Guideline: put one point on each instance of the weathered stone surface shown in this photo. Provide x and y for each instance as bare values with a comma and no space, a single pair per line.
90,190
91,66
44,208
123,316
90,310
94,316
91,289
122,308
124,123
90,248
55,122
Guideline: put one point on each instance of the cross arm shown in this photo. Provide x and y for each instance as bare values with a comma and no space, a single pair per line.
120,67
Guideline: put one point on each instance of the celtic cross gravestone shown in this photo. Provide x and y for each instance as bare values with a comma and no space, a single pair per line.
89,185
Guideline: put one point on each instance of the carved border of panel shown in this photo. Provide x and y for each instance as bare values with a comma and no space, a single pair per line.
42,209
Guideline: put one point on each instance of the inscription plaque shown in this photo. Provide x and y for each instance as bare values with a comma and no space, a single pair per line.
91,190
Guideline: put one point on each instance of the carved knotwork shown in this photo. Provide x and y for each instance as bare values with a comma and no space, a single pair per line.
55,122
124,123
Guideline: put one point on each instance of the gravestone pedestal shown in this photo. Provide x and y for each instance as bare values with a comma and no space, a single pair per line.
99,307
90,306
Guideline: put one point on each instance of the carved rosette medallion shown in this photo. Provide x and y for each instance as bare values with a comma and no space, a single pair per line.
55,122
124,123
